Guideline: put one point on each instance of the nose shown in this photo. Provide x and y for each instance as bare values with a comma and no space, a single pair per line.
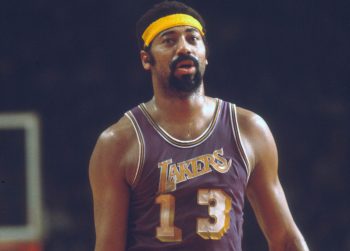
183,47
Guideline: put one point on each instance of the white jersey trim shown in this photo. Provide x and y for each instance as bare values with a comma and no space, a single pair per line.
141,144
238,139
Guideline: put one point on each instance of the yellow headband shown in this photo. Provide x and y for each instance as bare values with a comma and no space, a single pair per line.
168,22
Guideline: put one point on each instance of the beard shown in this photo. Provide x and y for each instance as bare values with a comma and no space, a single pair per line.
186,84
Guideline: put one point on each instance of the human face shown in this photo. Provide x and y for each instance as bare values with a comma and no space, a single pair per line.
179,59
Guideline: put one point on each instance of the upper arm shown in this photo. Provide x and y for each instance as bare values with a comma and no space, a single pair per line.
264,190
109,163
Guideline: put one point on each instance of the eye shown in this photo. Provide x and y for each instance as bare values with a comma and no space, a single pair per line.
168,40
194,38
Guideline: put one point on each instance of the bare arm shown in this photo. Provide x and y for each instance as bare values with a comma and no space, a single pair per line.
264,191
108,170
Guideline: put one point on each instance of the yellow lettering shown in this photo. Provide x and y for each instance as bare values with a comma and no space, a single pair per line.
200,166
164,184
222,165
211,161
174,173
205,159
185,173
173,176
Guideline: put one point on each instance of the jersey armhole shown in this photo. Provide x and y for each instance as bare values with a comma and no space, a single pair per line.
133,180
238,139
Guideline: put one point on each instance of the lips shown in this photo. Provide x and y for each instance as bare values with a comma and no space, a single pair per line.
186,64
185,67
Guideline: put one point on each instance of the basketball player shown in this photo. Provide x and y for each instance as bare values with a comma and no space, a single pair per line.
172,174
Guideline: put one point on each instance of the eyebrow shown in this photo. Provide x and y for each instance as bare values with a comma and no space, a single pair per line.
192,30
170,32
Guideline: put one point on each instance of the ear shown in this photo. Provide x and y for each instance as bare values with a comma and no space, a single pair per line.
145,59
206,62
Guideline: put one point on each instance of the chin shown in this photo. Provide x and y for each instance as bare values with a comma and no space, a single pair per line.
187,84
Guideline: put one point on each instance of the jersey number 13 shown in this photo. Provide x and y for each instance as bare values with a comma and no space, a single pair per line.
212,227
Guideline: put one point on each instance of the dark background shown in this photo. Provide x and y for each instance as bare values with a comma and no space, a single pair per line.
76,64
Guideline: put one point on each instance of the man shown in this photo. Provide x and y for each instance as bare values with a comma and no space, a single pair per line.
172,173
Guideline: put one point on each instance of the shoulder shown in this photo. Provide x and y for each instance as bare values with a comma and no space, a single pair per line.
256,137
118,136
250,120
116,150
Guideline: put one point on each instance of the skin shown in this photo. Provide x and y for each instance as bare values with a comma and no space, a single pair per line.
114,159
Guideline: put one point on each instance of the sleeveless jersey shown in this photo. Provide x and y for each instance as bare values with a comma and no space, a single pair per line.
188,195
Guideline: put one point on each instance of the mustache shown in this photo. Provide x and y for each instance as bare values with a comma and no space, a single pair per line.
180,58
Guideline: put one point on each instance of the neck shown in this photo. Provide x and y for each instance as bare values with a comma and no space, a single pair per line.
184,118
177,108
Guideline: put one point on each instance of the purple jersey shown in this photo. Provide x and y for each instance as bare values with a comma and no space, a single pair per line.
188,195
